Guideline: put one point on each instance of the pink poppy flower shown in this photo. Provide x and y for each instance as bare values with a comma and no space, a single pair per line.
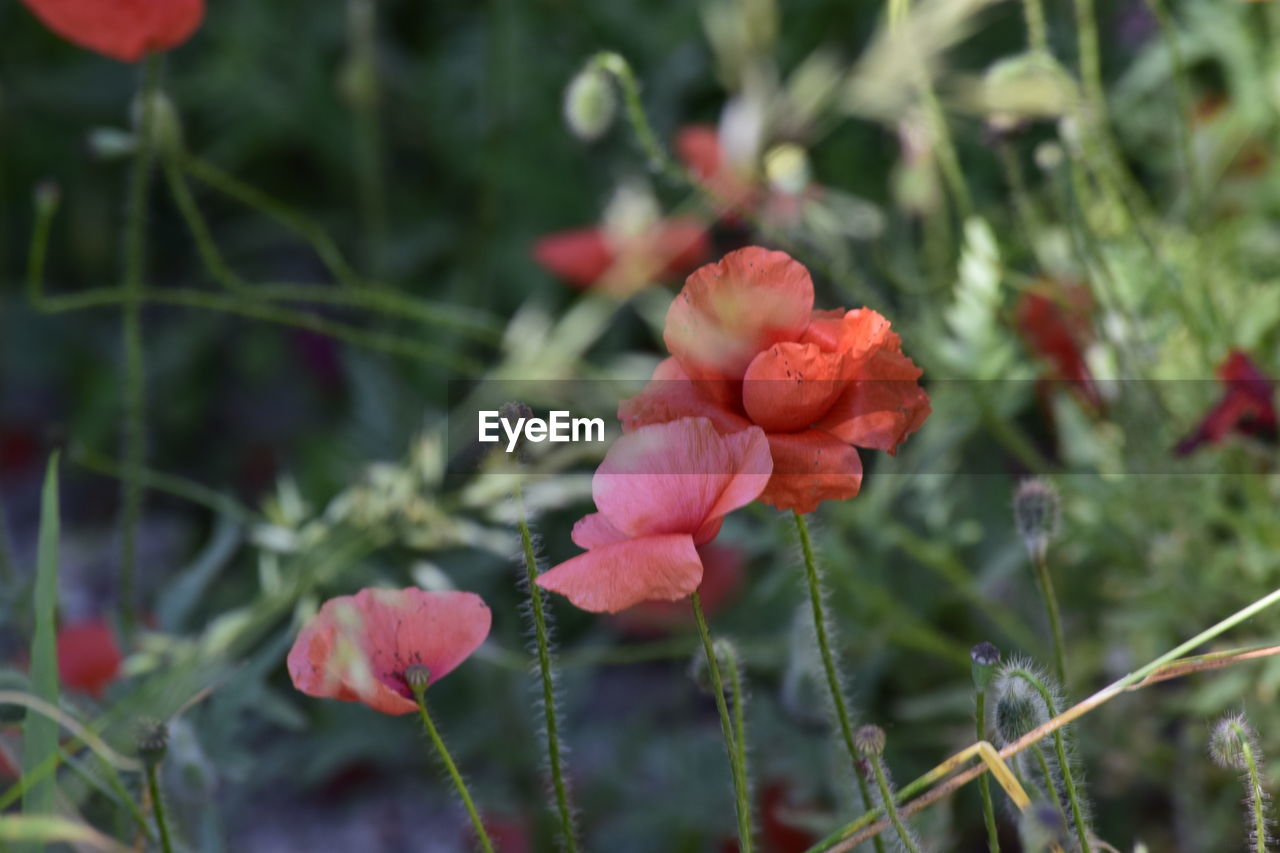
661,492
748,349
358,647
1247,407
126,30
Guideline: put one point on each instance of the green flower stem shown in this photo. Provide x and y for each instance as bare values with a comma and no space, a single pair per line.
739,712
886,796
1257,797
546,669
984,783
1060,750
1037,29
828,661
362,67
659,160
134,366
1182,93
157,806
461,786
1045,581
742,801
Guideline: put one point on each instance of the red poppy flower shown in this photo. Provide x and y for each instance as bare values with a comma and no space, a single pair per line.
661,492
721,580
777,833
357,647
1055,326
1247,407
121,29
590,258
88,657
749,350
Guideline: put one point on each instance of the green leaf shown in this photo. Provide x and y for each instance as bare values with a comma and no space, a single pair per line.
40,734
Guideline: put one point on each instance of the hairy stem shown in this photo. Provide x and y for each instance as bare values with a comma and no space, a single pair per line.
742,801
1045,581
886,795
157,806
452,768
828,660
546,669
984,784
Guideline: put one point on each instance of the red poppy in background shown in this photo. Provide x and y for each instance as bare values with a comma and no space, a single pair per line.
777,834
721,580
88,657
592,258
1055,324
125,30
661,492
358,647
1247,407
748,349
698,147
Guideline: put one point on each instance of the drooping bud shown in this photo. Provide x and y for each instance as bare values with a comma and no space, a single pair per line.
869,741
985,656
1036,514
1042,827
726,660
1026,87
1231,737
152,740
590,102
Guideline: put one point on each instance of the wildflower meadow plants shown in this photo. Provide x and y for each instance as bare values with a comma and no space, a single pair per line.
934,345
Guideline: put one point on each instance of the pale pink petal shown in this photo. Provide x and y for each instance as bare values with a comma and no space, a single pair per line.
594,530
615,577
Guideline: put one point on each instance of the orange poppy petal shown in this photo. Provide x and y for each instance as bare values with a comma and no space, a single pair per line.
88,657
730,311
883,407
810,467
671,395
121,29
791,385
615,577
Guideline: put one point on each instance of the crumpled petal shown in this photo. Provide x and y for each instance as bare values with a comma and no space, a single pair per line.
882,407
671,395
810,467
125,30
614,577
730,311
356,648
790,386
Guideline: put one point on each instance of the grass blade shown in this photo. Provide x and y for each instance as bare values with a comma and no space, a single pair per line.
40,733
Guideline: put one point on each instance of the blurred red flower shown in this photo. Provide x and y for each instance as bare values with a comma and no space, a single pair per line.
721,580
777,833
748,349
1054,322
592,258
88,657
698,147
125,30
1247,407
358,647
661,491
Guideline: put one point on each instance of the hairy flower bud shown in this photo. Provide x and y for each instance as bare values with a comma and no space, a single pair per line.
163,129
152,740
417,677
726,660
590,103
985,656
1042,827
869,740
1036,514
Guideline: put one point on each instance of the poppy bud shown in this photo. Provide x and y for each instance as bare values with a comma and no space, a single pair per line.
1026,87
985,656
1036,514
152,740
164,126
417,677
726,660
110,143
869,740
1049,156
590,103
1042,827
46,197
